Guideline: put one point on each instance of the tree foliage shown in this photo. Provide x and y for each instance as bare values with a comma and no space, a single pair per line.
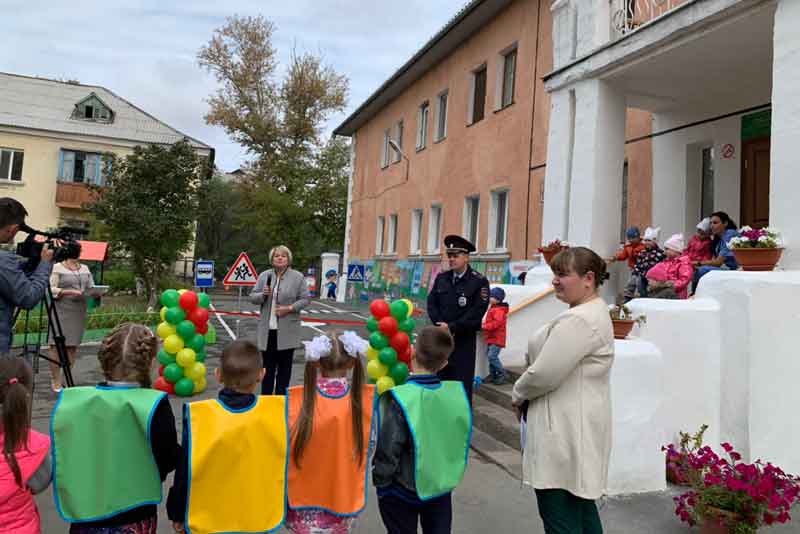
148,206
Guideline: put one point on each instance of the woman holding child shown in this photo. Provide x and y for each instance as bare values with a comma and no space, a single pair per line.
566,390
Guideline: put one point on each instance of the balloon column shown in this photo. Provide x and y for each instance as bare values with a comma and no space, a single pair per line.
389,353
185,332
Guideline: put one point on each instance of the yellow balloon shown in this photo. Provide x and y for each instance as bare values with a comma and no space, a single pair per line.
163,313
173,344
181,291
375,369
165,330
385,383
186,358
195,371
200,385
372,354
410,306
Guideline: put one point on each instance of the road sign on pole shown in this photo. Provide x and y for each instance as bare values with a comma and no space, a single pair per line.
204,273
242,273
355,273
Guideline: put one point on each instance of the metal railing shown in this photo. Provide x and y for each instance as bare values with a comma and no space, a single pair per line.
628,15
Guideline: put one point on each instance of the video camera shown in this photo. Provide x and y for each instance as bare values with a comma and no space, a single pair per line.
31,248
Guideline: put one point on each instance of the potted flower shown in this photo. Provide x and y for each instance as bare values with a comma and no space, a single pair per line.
552,248
678,457
623,320
729,496
757,249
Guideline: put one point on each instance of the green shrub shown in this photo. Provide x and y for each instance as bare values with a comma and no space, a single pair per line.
170,281
120,280
103,317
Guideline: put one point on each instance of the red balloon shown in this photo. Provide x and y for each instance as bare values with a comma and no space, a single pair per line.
379,308
201,328
188,300
199,316
400,342
388,326
161,384
405,357
160,370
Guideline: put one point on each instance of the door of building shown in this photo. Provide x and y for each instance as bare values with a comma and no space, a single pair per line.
755,183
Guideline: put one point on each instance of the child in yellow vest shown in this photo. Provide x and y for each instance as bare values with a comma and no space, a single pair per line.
232,477
331,420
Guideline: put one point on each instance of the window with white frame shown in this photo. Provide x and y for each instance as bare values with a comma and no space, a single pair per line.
471,211
422,125
506,77
398,138
498,221
392,248
441,116
379,235
416,232
478,102
80,167
385,149
434,228
11,165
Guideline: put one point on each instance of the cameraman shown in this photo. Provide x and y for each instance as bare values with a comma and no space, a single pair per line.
17,289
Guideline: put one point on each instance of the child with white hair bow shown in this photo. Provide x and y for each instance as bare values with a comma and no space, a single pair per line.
332,436
648,258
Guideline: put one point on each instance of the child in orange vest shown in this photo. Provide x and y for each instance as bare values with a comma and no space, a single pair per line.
331,423
25,467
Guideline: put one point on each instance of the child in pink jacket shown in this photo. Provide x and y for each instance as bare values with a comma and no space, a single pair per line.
676,270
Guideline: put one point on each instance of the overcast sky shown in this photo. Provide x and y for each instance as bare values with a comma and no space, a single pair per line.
145,50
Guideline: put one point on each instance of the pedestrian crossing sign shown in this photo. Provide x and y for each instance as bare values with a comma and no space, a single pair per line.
242,273
355,273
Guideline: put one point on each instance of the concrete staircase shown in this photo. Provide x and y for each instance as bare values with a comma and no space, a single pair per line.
495,427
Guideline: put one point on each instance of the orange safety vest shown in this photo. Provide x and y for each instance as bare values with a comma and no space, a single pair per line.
325,479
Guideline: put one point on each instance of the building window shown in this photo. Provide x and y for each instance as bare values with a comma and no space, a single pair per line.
416,232
422,125
478,95
507,77
379,236
11,165
398,138
385,149
707,191
441,117
392,248
624,214
498,221
81,167
471,211
92,108
434,227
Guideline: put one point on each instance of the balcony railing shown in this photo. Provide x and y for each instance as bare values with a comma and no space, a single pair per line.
72,195
628,15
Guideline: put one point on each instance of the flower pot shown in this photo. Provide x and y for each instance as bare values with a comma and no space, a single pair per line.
622,327
718,521
549,254
757,259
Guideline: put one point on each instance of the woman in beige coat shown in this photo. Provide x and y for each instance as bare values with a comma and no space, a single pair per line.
568,441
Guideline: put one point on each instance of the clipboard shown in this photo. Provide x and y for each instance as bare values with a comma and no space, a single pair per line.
97,291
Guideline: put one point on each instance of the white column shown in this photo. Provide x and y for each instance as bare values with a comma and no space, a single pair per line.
342,289
785,158
559,161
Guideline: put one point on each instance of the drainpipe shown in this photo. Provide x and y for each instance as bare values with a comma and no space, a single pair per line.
342,291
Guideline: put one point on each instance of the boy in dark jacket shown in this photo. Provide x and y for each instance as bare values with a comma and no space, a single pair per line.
425,422
494,332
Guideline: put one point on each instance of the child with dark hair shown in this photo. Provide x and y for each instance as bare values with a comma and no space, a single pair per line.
423,442
242,490
331,419
25,468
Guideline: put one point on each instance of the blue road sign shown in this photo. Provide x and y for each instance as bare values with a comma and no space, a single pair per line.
355,273
204,273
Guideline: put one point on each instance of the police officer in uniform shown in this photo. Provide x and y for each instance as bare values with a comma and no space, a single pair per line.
457,302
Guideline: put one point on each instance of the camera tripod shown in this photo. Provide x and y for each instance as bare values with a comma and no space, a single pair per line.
56,333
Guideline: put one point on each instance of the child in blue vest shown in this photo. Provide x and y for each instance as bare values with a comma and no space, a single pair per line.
424,422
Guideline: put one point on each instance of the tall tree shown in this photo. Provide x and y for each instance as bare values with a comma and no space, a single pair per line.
148,206
297,192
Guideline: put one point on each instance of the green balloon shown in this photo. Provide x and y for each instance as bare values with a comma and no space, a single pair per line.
165,358
170,298
175,315
378,341
388,356
399,310
200,356
399,373
372,324
184,387
185,329
203,300
371,380
173,373
197,342
408,325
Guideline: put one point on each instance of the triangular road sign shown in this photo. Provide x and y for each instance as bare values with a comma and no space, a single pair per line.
242,273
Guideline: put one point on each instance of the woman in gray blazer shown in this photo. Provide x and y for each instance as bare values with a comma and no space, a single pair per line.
282,293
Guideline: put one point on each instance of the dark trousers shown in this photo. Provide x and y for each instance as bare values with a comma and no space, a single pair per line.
401,517
461,365
278,364
564,513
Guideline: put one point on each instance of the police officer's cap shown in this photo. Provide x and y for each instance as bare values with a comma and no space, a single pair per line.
456,243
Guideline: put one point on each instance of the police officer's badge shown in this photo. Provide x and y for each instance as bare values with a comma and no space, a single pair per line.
462,301
484,293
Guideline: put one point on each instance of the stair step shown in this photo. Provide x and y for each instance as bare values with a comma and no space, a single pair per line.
500,395
497,452
496,420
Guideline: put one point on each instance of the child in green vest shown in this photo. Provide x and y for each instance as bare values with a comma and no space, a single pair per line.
423,444
114,443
